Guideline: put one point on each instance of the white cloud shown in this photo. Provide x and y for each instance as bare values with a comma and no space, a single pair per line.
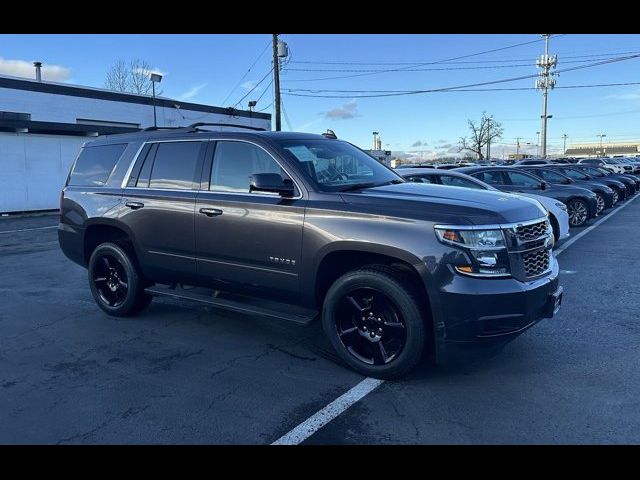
625,96
192,92
346,111
249,85
23,68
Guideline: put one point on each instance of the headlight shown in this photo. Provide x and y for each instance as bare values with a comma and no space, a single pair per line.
486,248
561,206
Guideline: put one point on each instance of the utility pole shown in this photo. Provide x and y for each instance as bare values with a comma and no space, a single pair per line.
518,145
545,82
276,81
489,139
564,143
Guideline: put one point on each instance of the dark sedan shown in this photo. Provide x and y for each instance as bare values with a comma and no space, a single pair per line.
581,203
624,188
606,196
600,173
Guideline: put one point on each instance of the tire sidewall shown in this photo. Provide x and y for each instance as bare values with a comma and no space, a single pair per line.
403,301
133,280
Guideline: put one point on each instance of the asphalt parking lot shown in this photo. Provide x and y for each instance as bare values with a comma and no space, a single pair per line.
185,373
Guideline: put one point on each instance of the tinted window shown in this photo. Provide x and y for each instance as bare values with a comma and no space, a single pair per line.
459,182
145,171
418,179
235,162
551,176
175,165
576,175
94,165
490,177
522,180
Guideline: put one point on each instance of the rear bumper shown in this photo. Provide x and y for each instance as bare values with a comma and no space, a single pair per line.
475,311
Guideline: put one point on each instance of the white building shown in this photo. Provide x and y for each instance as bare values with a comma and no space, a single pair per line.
44,124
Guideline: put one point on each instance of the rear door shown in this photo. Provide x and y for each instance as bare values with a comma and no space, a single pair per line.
496,178
247,239
160,203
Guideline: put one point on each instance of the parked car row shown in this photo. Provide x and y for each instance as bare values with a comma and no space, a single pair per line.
575,193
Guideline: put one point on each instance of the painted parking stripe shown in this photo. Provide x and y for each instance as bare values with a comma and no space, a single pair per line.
29,229
318,420
328,413
571,241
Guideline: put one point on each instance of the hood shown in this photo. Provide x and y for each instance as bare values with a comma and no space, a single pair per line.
593,183
438,203
610,181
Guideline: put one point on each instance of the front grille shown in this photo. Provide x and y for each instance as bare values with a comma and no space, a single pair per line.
536,263
527,233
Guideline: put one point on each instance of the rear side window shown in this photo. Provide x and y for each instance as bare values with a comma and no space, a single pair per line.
94,165
175,165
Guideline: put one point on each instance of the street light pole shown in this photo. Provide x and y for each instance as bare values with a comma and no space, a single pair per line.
601,136
538,145
564,143
155,77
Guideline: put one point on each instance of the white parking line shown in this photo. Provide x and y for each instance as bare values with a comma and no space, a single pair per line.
571,241
318,420
328,413
28,229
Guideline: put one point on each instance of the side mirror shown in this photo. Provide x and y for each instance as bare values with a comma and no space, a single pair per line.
271,182
544,185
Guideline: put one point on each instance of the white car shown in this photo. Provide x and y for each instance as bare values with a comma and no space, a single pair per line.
556,210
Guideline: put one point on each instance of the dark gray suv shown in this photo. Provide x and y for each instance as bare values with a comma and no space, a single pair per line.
298,227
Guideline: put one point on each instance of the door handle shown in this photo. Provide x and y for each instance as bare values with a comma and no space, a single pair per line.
134,205
211,212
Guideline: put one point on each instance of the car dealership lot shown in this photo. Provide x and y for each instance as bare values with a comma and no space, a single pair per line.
185,373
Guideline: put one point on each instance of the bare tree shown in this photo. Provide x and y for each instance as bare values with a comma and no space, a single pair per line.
132,77
487,130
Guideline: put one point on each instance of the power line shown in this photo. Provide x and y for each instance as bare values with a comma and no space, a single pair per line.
246,73
429,63
462,87
254,87
509,60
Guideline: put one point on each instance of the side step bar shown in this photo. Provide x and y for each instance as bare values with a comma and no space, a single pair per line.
238,303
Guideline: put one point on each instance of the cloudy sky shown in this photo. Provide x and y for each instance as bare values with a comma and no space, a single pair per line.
229,70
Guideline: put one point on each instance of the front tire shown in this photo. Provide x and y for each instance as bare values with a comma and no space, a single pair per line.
374,322
578,212
115,283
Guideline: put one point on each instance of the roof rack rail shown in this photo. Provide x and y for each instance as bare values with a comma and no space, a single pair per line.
203,124
150,129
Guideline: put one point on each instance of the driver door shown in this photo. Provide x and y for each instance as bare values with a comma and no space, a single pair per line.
246,239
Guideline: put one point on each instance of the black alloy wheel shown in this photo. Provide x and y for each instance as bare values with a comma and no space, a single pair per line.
615,197
370,326
110,280
115,283
376,322
578,212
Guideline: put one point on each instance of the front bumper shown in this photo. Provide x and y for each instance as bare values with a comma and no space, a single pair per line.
476,310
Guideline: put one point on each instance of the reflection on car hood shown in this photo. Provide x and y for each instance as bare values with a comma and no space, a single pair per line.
440,203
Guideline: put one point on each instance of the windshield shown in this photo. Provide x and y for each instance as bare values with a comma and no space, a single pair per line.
336,165
575,174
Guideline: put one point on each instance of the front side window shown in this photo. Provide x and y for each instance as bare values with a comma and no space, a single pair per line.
459,182
522,180
175,165
490,177
235,162
334,165
94,165
551,176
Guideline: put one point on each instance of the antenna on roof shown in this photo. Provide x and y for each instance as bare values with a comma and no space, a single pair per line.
330,134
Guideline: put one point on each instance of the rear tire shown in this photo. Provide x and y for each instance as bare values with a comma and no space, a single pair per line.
373,320
116,285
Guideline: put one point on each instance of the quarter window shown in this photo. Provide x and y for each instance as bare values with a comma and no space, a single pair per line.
235,162
94,165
